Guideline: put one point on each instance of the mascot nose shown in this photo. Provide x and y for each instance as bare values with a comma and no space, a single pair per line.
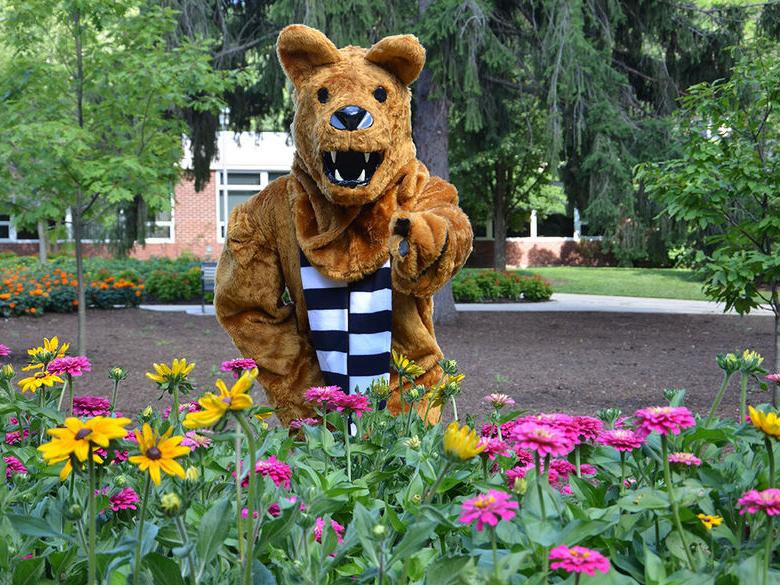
351,118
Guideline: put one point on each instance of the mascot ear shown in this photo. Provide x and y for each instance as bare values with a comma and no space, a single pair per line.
302,49
401,55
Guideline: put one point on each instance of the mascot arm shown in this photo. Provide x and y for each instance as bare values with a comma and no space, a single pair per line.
248,302
430,241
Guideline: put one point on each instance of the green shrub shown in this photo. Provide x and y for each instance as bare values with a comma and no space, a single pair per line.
476,286
167,287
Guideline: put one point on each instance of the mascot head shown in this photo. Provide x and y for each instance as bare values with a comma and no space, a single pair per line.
352,125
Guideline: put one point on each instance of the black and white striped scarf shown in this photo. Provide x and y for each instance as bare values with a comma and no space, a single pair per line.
350,325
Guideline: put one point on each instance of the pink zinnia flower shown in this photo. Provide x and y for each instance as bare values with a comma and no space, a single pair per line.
578,559
297,423
566,468
512,475
119,457
4,350
319,524
13,466
356,404
771,377
688,459
493,448
91,406
70,365
125,499
755,501
323,395
544,439
488,508
237,366
279,472
195,440
621,439
15,437
498,400
245,513
524,457
663,420
587,427
183,408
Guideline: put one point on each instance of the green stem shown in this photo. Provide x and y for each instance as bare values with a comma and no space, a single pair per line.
539,477
92,562
250,504
113,395
577,461
622,472
239,473
495,552
69,378
496,420
409,419
771,456
673,501
175,409
439,479
718,398
768,548
184,539
144,502
743,398
454,408
347,452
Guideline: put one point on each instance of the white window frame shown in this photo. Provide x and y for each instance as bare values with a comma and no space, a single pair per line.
12,234
170,224
222,186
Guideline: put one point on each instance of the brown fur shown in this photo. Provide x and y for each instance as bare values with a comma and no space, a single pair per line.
346,233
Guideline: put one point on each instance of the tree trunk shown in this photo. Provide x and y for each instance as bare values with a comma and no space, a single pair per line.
77,209
499,220
431,134
43,244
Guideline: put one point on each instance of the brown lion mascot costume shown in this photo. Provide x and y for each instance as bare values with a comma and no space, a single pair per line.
358,234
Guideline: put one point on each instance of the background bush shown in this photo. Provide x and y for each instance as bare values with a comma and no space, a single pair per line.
474,286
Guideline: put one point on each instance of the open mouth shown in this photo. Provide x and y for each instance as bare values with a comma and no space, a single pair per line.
350,168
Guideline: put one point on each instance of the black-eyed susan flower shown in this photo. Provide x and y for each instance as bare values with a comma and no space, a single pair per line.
177,372
406,367
215,406
42,355
159,452
76,438
39,379
767,422
461,442
709,521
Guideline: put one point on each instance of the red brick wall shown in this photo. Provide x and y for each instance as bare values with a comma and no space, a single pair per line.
195,224
554,252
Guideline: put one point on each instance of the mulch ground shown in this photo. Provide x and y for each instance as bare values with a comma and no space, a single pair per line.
576,362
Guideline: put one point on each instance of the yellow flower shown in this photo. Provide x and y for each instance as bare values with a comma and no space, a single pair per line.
159,453
76,439
768,422
192,474
178,370
404,365
39,379
461,442
214,407
171,504
50,349
709,521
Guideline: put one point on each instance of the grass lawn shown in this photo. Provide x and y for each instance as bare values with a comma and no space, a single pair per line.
666,283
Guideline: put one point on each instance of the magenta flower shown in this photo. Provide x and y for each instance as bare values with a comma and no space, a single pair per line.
245,513
356,404
494,448
238,366
498,400
322,395
621,439
279,472
119,457
183,408
195,440
524,458
544,439
91,406
297,423
755,501
4,350
578,559
488,509
688,459
771,377
319,524
512,475
663,420
13,466
70,365
587,427
15,437
125,499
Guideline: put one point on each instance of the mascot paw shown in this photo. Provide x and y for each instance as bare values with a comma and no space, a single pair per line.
417,241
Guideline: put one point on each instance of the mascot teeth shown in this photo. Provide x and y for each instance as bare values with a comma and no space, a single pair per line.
348,168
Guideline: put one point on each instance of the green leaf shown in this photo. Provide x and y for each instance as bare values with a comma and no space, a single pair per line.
261,575
416,535
165,571
28,572
452,571
37,527
655,571
212,531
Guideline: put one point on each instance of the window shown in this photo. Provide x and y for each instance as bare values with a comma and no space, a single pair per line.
10,233
5,227
161,229
236,186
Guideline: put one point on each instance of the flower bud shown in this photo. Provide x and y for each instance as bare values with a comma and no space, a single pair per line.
379,530
74,512
520,486
449,366
192,474
120,480
171,504
147,413
7,372
416,498
117,374
413,442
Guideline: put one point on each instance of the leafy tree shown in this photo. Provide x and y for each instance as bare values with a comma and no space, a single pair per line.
91,91
728,181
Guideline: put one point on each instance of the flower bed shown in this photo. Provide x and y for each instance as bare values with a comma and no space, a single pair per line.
476,286
209,493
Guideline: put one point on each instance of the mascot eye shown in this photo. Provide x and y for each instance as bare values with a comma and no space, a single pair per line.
322,95
380,94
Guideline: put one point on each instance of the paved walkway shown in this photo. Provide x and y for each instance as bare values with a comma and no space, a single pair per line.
560,302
